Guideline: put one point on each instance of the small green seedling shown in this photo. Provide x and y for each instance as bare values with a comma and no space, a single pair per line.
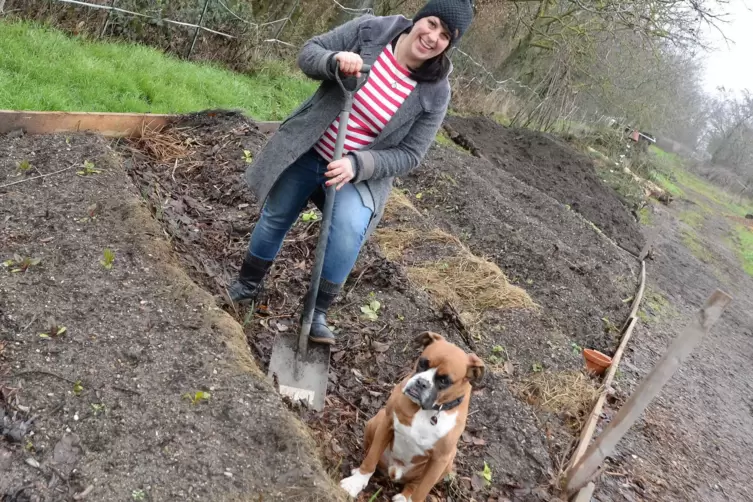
376,495
99,408
24,166
247,157
310,216
198,397
88,169
487,473
21,264
53,330
108,258
577,349
609,326
138,495
537,367
78,388
400,317
498,355
371,311
419,195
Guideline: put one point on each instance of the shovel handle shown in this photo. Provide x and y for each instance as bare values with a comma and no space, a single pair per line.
329,203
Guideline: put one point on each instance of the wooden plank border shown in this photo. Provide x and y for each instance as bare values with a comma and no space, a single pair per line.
115,125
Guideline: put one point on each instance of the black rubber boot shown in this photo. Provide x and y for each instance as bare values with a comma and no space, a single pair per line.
320,332
249,283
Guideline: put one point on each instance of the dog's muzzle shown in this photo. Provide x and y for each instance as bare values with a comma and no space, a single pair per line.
421,391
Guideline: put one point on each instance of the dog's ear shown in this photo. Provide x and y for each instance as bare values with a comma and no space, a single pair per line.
426,338
476,369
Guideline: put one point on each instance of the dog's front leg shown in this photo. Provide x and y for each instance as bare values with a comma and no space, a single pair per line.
359,478
435,469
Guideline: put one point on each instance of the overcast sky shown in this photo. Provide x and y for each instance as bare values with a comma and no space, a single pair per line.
732,66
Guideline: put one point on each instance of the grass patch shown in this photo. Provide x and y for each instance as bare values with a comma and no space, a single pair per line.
696,246
570,394
716,194
443,139
396,206
692,218
45,69
655,307
744,238
645,216
664,182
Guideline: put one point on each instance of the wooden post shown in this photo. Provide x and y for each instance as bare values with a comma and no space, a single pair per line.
107,19
198,28
680,348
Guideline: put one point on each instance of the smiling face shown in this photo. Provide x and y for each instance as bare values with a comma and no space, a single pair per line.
427,39
442,373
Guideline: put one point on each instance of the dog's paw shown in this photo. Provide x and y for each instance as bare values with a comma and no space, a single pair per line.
355,483
400,498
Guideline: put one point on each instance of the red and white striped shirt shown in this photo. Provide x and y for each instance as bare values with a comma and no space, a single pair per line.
388,86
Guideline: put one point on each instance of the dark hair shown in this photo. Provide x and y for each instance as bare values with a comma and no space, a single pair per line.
432,70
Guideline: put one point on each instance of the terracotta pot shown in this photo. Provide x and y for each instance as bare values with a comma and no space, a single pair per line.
596,362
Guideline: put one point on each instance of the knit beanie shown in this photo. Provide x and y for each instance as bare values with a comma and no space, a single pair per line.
456,14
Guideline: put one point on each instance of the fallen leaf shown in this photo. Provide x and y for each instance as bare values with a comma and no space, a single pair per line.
281,327
357,373
380,347
338,356
478,442
466,437
509,368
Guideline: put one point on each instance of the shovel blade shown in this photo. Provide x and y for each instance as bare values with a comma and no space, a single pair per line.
301,379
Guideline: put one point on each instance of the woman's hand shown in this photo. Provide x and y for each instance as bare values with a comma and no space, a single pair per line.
341,171
350,63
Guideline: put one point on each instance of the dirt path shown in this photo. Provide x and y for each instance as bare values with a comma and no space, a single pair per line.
100,410
695,440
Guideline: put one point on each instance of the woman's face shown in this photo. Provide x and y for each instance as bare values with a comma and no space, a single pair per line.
428,38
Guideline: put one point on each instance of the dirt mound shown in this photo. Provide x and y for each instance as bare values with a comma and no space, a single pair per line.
150,392
547,163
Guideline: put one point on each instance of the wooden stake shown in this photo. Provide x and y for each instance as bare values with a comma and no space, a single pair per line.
590,427
649,388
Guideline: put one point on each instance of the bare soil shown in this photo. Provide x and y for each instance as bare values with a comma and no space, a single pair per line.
528,203
694,441
99,411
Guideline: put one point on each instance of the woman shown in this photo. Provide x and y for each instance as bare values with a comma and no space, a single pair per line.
394,120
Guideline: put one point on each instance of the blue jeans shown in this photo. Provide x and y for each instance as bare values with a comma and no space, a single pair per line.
286,200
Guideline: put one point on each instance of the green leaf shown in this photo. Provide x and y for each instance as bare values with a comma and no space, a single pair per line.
498,349
375,306
35,261
78,388
43,335
61,330
419,195
487,474
8,263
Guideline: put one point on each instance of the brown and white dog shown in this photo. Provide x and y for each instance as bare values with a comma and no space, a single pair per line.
414,438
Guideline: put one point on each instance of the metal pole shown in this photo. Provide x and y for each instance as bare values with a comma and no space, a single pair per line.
198,27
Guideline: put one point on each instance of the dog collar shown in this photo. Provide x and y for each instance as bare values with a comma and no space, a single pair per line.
444,407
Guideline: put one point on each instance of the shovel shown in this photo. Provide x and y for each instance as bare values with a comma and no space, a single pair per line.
301,371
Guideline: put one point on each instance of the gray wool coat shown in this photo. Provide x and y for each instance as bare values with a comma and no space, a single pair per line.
397,150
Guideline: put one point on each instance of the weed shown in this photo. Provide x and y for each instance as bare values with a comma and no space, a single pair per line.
645,216
78,388
498,356
376,495
609,326
487,473
247,157
577,349
138,495
537,367
108,258
53,329
24,166
89,169
197,397
309,216
99,408
21,264
371,311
